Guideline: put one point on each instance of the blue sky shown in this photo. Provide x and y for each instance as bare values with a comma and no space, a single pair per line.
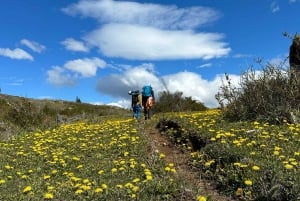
98,50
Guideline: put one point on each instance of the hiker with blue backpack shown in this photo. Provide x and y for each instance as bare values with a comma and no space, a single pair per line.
136,103
147,100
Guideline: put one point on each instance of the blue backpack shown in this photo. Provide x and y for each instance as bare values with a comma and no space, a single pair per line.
147,91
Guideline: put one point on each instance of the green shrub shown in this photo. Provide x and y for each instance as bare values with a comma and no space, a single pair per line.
175,102
270,95
24,115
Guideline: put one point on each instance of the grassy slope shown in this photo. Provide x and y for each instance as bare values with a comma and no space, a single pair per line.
56,163
20,114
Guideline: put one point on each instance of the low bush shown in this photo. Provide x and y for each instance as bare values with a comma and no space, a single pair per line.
269,95
175,102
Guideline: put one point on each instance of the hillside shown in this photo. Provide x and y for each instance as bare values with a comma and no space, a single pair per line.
160,169
20,114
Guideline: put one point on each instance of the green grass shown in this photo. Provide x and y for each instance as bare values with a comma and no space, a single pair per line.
246,160
104,155
19,114
85,161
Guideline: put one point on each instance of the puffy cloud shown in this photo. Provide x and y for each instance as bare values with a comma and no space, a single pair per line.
140,42
190,83
74,45
74,69
85,67
16,53
193,85
58,76
34,46
148,14
118,85
147,31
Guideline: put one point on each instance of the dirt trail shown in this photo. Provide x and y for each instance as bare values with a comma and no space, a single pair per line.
173,154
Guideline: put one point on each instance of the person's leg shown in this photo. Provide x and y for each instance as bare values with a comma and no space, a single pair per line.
144,100
138,112
149,113
135,111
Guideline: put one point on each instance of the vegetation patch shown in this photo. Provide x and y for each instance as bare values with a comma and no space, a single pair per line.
246,160
106,160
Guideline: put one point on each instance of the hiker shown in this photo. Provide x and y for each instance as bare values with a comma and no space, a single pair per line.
136,103
147,100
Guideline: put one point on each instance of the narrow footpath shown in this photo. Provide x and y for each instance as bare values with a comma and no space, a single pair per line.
190,178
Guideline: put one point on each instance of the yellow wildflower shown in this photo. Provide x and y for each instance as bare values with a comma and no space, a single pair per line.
201,198
78,191
239,192
136,180
104,186
162,156
248,182
50,188
27,189
289,166
46,177
149,177
98,190
79,166
135,188
85,187
167,169
126,153
48,196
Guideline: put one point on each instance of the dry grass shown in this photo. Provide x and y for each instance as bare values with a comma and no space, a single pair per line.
19,114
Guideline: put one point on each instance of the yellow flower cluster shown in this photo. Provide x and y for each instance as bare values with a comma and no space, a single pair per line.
247,149
79,159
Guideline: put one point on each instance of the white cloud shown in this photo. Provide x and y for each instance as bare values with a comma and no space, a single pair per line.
118,85
205,65
148,14
121,103
59,77
34,46
190,83
85,67
274,7
276,61
140,42
68,74
16,53
242,55
147,31
74,45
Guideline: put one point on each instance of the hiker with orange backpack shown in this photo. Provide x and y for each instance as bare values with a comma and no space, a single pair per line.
147,100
